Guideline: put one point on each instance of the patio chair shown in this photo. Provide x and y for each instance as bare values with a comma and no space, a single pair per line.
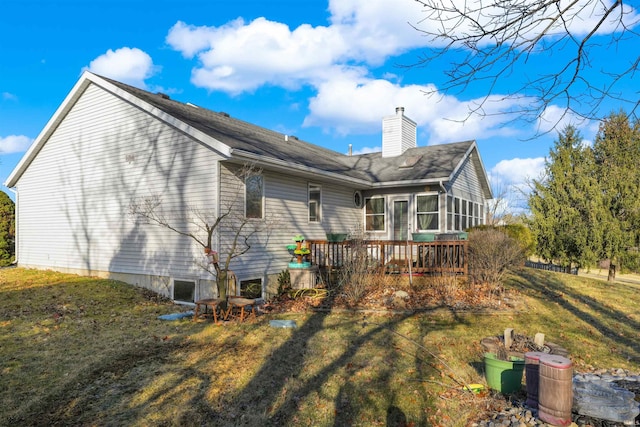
207,303
214,303
238,307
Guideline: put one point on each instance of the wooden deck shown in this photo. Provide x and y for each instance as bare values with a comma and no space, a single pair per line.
393,256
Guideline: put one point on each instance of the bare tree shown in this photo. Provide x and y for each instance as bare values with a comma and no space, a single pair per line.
202,225
485,40
498,207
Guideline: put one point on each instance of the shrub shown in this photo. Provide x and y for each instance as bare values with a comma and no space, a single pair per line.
520,232
523,235
630,261
284,282
7,230
492,252
357,271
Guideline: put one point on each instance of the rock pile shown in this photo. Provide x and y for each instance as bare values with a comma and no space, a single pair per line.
517,414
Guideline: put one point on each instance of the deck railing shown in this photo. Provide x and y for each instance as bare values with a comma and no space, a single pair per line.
395,256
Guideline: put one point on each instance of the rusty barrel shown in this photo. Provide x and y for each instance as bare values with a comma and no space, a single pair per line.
532,370
555,389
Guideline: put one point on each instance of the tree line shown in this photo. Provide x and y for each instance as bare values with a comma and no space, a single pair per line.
586,205
7,230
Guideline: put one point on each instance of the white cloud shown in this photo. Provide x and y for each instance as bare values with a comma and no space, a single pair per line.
517,171
579,19
335,60
554,118
338,105
9,96
366,150
14,144
240,56
271,53
510,183
128,65
377,29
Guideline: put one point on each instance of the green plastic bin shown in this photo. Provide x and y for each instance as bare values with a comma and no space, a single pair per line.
504,376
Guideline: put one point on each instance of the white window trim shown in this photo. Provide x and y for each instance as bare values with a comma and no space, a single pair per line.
195,291
262,289
262,198
437,211
319,212
385,213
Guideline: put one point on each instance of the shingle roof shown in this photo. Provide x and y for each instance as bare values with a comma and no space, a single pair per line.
431,162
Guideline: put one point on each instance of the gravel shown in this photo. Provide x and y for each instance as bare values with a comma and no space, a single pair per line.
517,414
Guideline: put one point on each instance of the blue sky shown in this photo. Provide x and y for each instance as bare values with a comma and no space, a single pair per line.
325,71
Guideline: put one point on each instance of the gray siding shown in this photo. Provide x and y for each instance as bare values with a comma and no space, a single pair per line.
287,213
466,183
406,193
74,198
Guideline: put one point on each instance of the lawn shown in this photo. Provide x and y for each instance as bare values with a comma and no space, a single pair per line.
79,351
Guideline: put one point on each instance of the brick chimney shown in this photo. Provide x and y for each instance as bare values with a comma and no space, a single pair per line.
398,134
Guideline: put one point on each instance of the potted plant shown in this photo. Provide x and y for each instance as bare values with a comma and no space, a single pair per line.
336,237
419,236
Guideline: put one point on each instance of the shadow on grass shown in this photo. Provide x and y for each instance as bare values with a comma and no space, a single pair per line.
549,287
145,380
281,399
292,353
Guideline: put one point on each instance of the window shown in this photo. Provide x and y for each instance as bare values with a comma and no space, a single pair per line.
450,215
357,199
254,191
251,288
476,214
184,291
464,215
427,212
315,206
374,214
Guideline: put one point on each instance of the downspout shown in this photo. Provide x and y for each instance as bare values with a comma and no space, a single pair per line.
16,216
444,190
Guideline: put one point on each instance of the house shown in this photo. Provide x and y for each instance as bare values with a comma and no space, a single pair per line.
109,144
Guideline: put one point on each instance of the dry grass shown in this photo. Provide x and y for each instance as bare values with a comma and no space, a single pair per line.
78,351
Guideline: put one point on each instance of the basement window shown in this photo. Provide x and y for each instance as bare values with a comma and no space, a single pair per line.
251,288
184,291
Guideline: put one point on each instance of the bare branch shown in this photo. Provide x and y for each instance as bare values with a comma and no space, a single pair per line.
484,40
202,225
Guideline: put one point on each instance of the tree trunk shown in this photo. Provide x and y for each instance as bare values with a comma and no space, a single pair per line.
221,284
612,270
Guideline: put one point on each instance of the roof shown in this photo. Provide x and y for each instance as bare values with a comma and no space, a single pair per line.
237,139
246,137
433,162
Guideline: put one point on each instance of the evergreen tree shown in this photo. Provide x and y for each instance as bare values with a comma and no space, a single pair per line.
7,230
617,155
566,204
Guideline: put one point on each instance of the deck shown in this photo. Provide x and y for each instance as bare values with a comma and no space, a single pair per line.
394,256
